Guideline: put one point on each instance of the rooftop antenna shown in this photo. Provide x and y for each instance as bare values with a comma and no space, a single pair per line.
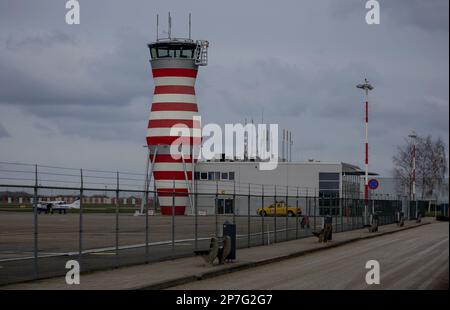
170,26
189,26
290,146
157,27
288,134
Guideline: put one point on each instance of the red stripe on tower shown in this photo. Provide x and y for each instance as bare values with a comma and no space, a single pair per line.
167,123
181,72
169,140
172,175
174,106
167,158
174,89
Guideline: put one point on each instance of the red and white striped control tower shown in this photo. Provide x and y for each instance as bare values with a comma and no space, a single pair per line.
175,65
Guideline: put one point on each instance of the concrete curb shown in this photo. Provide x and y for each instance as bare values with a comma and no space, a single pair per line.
244,266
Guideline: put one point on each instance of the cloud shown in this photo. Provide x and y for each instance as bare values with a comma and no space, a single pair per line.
297,63
428,16
3,132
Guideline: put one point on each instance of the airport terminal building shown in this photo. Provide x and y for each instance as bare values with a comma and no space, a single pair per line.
229,181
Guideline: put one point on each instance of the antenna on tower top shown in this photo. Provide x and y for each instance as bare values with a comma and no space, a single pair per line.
189,26
157,27
170,26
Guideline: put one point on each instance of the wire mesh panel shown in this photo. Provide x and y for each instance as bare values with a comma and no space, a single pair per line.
242,219
58,230
225,210
129,225
17,235
304,225
184,234
291,218
255,219
207,227
97,231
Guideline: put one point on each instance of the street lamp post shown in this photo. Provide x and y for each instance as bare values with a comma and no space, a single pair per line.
366,87
413,136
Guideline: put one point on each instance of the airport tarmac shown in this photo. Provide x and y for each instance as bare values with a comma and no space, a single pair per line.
59,239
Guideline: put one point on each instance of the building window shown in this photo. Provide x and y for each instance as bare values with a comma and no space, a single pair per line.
224,176
204,176
197,175
231,176
217,175
210,176
163,52
153,53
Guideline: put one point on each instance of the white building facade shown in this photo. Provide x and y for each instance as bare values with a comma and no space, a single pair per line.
231,182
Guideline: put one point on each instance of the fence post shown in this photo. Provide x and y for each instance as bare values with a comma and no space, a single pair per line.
287,213
147,184
275,215
296,214
332,211
216,208
196,214
262,214
36,236
248,217
315,205
363,203
417,210
173,218
117,219
335,209
234,200
80,224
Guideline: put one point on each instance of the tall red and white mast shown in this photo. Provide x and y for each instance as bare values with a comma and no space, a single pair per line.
366,87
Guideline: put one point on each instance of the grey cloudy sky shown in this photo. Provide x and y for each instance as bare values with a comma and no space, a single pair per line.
79,96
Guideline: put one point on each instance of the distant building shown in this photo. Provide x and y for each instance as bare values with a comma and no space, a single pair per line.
14,198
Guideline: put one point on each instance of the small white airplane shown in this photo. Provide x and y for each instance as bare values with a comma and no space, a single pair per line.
73,205
57,205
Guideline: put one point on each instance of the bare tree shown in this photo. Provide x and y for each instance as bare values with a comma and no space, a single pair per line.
431,166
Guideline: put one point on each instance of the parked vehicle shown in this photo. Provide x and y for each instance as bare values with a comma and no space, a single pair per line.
279,208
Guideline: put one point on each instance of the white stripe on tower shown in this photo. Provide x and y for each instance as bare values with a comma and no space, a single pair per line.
174,80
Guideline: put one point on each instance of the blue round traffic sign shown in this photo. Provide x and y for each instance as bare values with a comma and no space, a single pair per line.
373,184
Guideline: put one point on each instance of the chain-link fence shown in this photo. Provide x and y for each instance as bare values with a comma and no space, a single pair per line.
49,215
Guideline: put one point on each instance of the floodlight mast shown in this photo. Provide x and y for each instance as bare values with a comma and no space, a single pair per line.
366,86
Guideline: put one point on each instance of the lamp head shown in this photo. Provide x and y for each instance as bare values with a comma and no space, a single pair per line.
413,135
